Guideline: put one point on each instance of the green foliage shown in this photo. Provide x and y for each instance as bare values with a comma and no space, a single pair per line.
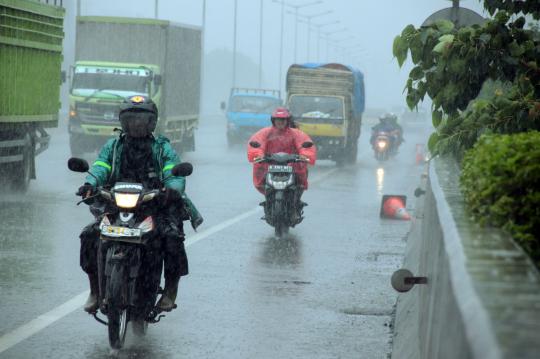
453,64
501,186
526,7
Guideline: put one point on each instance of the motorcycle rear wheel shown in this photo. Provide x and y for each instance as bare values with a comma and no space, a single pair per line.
118,319
281,229
140,327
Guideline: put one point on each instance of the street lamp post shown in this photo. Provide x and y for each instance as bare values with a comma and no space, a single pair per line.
156,5
260,43
319,26
296,15
201,89
296,8
309,17
327,35
234,44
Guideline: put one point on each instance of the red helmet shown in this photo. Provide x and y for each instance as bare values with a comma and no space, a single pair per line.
281,113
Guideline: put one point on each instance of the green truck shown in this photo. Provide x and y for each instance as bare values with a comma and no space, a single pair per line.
31,35
120,57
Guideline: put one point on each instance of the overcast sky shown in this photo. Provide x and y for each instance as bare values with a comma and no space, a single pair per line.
371,28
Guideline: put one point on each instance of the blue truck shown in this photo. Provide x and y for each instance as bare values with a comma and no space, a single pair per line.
248,111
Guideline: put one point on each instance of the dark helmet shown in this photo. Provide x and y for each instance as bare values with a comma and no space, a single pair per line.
138,116
281,113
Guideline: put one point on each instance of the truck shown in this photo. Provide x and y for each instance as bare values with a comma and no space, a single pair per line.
117,57
31,35
327,102
248,111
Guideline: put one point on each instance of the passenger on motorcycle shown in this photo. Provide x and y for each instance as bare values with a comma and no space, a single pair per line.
388,123
137,156
281,137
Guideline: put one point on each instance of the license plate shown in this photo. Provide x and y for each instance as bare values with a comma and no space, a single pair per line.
280,169
115,231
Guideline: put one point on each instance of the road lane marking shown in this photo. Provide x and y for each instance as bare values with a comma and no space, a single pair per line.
27,330
36,325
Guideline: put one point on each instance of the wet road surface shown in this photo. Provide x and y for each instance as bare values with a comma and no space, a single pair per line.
322,292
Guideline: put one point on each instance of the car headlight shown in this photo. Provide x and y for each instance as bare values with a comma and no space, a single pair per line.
381,144
126,200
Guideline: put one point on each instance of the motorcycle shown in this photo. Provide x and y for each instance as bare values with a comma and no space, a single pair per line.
130,258
384,145
282,206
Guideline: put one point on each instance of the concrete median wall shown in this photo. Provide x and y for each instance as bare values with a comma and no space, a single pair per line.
482,299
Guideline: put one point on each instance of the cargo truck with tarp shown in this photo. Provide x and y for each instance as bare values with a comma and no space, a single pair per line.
31,35
120,57
327,102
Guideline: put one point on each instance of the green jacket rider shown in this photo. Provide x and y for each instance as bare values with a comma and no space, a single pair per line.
137,156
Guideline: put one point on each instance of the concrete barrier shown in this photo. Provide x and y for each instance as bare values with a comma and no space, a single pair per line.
482,299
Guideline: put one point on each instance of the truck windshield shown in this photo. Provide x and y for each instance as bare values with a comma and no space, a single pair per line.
93,81
253,104
316,107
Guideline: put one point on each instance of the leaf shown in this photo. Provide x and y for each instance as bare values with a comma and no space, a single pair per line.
399,49
432,143
416,73
444,26
436,118
444,43
412,98
417,48
515,49
484,38
408,31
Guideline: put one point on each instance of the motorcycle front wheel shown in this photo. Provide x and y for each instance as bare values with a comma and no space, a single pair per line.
280,228
117,326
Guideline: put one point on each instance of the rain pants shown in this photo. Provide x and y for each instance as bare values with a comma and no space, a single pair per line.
273,140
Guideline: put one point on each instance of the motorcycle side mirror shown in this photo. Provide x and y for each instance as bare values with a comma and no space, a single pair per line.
78,165
255,144
183,169
307,144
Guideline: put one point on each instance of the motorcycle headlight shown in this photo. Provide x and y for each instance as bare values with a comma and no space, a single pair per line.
381,144
126,200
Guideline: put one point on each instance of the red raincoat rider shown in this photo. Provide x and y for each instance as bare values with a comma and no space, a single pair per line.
281,137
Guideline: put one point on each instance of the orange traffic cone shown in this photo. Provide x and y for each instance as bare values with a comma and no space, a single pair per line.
393,206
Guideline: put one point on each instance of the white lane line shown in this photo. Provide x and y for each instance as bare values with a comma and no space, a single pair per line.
24,331
27,330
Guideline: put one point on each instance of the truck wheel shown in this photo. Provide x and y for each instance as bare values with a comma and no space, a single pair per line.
75,146
352,153
230,140
22,172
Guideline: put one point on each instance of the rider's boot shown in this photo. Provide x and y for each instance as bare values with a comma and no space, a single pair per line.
91,304
166,302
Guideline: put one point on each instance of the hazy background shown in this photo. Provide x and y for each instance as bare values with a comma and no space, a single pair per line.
370,29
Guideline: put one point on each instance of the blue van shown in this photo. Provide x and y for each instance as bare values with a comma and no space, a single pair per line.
248,111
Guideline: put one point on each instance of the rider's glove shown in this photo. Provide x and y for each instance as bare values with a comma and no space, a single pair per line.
86,190
168,196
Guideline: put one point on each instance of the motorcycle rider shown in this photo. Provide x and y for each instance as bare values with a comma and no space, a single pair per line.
281,137
388,123
137,156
